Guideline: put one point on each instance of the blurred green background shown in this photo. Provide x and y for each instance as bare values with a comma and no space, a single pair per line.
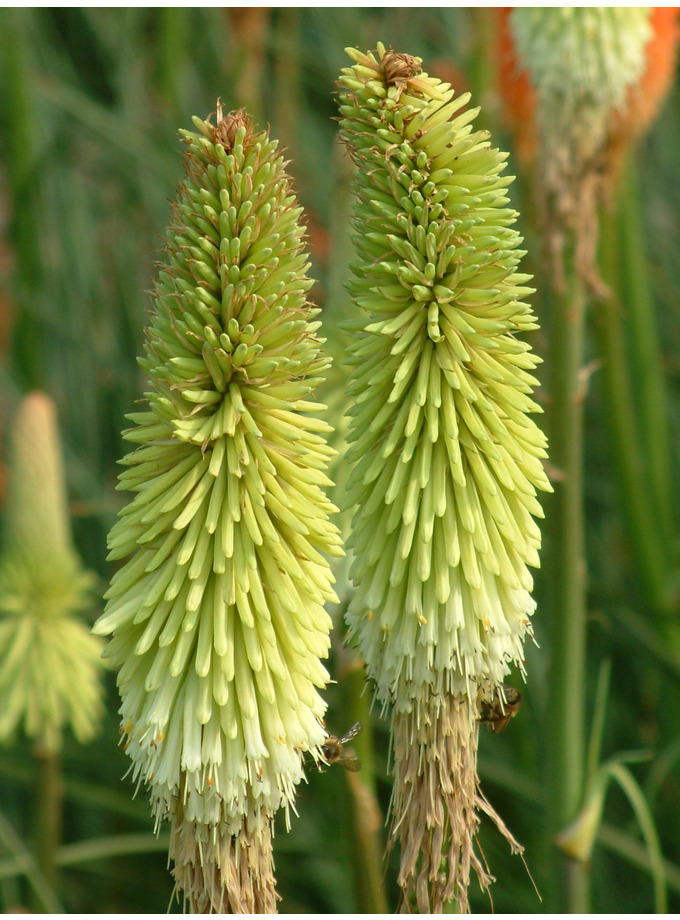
90,157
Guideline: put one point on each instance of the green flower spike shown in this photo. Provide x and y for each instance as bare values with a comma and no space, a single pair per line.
445,458
582,62
218,617
50,667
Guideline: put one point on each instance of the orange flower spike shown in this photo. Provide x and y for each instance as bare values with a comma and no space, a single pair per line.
643,102
579,86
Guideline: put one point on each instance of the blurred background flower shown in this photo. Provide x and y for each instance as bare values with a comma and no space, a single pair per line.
50,668
51,673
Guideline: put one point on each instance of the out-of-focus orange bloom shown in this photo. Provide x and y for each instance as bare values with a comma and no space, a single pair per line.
574,174
644,99
516,92
318,238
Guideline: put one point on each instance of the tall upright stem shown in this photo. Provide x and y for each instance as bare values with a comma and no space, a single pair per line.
568,584
173,31
48,811
366,818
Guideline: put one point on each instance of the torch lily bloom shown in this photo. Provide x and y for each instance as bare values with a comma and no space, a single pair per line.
445,457
218,617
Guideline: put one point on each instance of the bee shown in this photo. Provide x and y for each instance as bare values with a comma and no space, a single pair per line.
332,749
498,712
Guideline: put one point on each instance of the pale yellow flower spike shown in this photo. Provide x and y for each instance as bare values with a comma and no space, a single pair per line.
445,458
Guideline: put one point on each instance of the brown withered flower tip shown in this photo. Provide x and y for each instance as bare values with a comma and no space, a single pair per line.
399,68
228,125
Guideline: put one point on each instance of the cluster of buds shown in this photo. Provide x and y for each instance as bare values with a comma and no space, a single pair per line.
217,618
445,457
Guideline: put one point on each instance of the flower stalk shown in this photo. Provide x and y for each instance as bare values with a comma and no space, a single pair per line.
445,459
217,617
47,819
366,816
567,571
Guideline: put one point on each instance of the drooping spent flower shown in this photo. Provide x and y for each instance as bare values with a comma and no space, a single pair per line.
217,617
445,457
50,667
587,68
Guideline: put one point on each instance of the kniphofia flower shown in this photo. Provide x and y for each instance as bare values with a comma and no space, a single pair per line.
218,617
578,85
50,667
445,457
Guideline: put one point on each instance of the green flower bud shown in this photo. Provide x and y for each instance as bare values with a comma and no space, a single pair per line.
50,668
445,458
218,617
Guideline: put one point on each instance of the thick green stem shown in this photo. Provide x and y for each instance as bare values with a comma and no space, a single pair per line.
48,811
576,886
367,822
568,584
482,64
287,101
249,26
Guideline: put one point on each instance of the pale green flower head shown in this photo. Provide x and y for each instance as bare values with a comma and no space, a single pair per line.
50,667
218,616
446,457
